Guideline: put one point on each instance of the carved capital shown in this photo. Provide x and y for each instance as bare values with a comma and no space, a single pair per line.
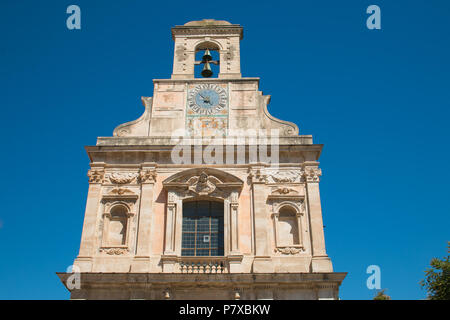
312,174
257,176
148,175
96,176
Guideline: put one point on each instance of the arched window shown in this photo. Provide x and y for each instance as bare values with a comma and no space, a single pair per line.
212,59
117,227
203,228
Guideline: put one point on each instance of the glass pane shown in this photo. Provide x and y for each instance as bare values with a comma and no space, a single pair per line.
202,228
203,240
189,209
214,240
216,209
203,208
188,240
203,224
188,224
214,225
187,252
202,252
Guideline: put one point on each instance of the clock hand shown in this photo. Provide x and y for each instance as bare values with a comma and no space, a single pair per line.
205,99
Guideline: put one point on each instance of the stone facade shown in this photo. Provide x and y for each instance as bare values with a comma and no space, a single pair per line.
177,152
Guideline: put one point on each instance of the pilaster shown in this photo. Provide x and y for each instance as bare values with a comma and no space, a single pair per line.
141,261
87,247
262,262
320,260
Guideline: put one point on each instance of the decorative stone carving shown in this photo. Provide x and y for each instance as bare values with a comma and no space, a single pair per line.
284,191
286,128
288,250
206,181
122,177
312,174
120,195
114,251
296,202
257,176
138,127
203,184
148,175
96,176
291,176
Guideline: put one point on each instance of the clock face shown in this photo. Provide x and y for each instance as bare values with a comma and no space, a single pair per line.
207,99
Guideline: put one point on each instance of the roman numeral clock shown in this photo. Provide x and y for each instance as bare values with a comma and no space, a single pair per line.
207,109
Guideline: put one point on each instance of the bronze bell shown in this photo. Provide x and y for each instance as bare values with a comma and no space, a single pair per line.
207,72
207,56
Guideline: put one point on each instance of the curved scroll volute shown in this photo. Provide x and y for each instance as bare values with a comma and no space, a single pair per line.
139,127
286,128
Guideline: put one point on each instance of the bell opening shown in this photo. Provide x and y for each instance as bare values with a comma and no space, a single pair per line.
206,66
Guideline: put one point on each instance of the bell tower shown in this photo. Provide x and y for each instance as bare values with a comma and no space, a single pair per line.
206,195
208,34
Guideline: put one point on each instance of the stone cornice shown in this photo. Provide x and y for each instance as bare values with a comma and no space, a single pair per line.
305,140
208,80
225,30
333,279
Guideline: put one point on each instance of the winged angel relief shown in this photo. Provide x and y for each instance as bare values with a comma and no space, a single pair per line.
203,184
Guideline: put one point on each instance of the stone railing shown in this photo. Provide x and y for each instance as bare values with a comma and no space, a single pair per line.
203,265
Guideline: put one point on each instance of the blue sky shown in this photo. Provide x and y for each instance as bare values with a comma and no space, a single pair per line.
378,100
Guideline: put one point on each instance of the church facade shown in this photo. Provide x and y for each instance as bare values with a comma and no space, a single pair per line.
206,195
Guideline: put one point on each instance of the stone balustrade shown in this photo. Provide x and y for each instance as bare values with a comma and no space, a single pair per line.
203,265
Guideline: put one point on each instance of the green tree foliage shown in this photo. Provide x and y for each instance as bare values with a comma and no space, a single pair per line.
437,278
381,295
